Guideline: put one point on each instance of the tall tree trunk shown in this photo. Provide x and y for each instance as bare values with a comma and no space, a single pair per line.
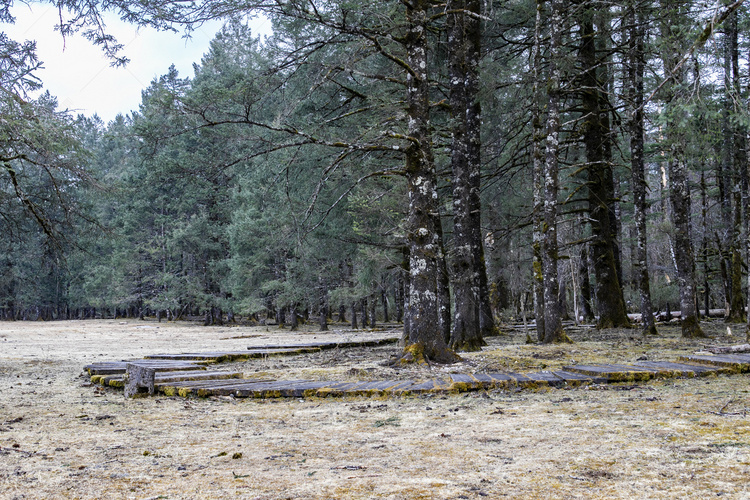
465,334
537,178
355,326
724,179
425,338
745,180
596,135
400,287
472,21
384,298
373,310
740,162
704,244
583,273
635,72
294,324
679,192
363,311
323,306
553,330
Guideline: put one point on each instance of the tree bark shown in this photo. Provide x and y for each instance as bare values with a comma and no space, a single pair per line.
740,163
583,272
466,334
553,330
294,324
635,73
355,326
363,312
679,192
425,339
384,298
537,178
596,136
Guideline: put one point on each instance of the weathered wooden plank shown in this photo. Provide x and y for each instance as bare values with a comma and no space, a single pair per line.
613,373
138,379
198,375
376,387
404,388
519,378
726,361
434,385
670,369
331,345
542,379
105,368
308,389
578,379
462,383
115,380
485,381
223,388
728,349
119,367
743,357
339,388
501,380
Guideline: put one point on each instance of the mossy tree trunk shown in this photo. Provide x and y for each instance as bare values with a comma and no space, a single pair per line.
596,136
465,334
553,330
425,334
679,189
634,82
537,177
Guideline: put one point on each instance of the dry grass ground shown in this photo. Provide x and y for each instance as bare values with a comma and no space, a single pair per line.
61,437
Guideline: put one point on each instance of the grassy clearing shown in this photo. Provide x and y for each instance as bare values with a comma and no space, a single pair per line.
61,437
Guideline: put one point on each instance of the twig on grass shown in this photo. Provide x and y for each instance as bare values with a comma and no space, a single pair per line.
722,412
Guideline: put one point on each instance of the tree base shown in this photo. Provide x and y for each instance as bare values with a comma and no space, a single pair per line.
416,354
737,318
691,328
468,345
559,338
650,330
611,323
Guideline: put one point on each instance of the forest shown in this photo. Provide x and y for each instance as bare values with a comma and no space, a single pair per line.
450,165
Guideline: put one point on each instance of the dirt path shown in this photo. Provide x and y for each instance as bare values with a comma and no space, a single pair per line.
61,437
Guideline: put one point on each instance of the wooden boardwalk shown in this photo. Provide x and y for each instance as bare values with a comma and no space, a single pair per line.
189,375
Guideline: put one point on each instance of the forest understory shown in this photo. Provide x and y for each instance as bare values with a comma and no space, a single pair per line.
62,437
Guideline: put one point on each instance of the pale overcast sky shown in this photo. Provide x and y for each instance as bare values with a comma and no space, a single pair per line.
80,76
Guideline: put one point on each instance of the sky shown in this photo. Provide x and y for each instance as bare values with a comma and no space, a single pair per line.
81,77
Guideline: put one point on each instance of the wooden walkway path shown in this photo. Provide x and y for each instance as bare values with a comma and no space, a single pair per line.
189,375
